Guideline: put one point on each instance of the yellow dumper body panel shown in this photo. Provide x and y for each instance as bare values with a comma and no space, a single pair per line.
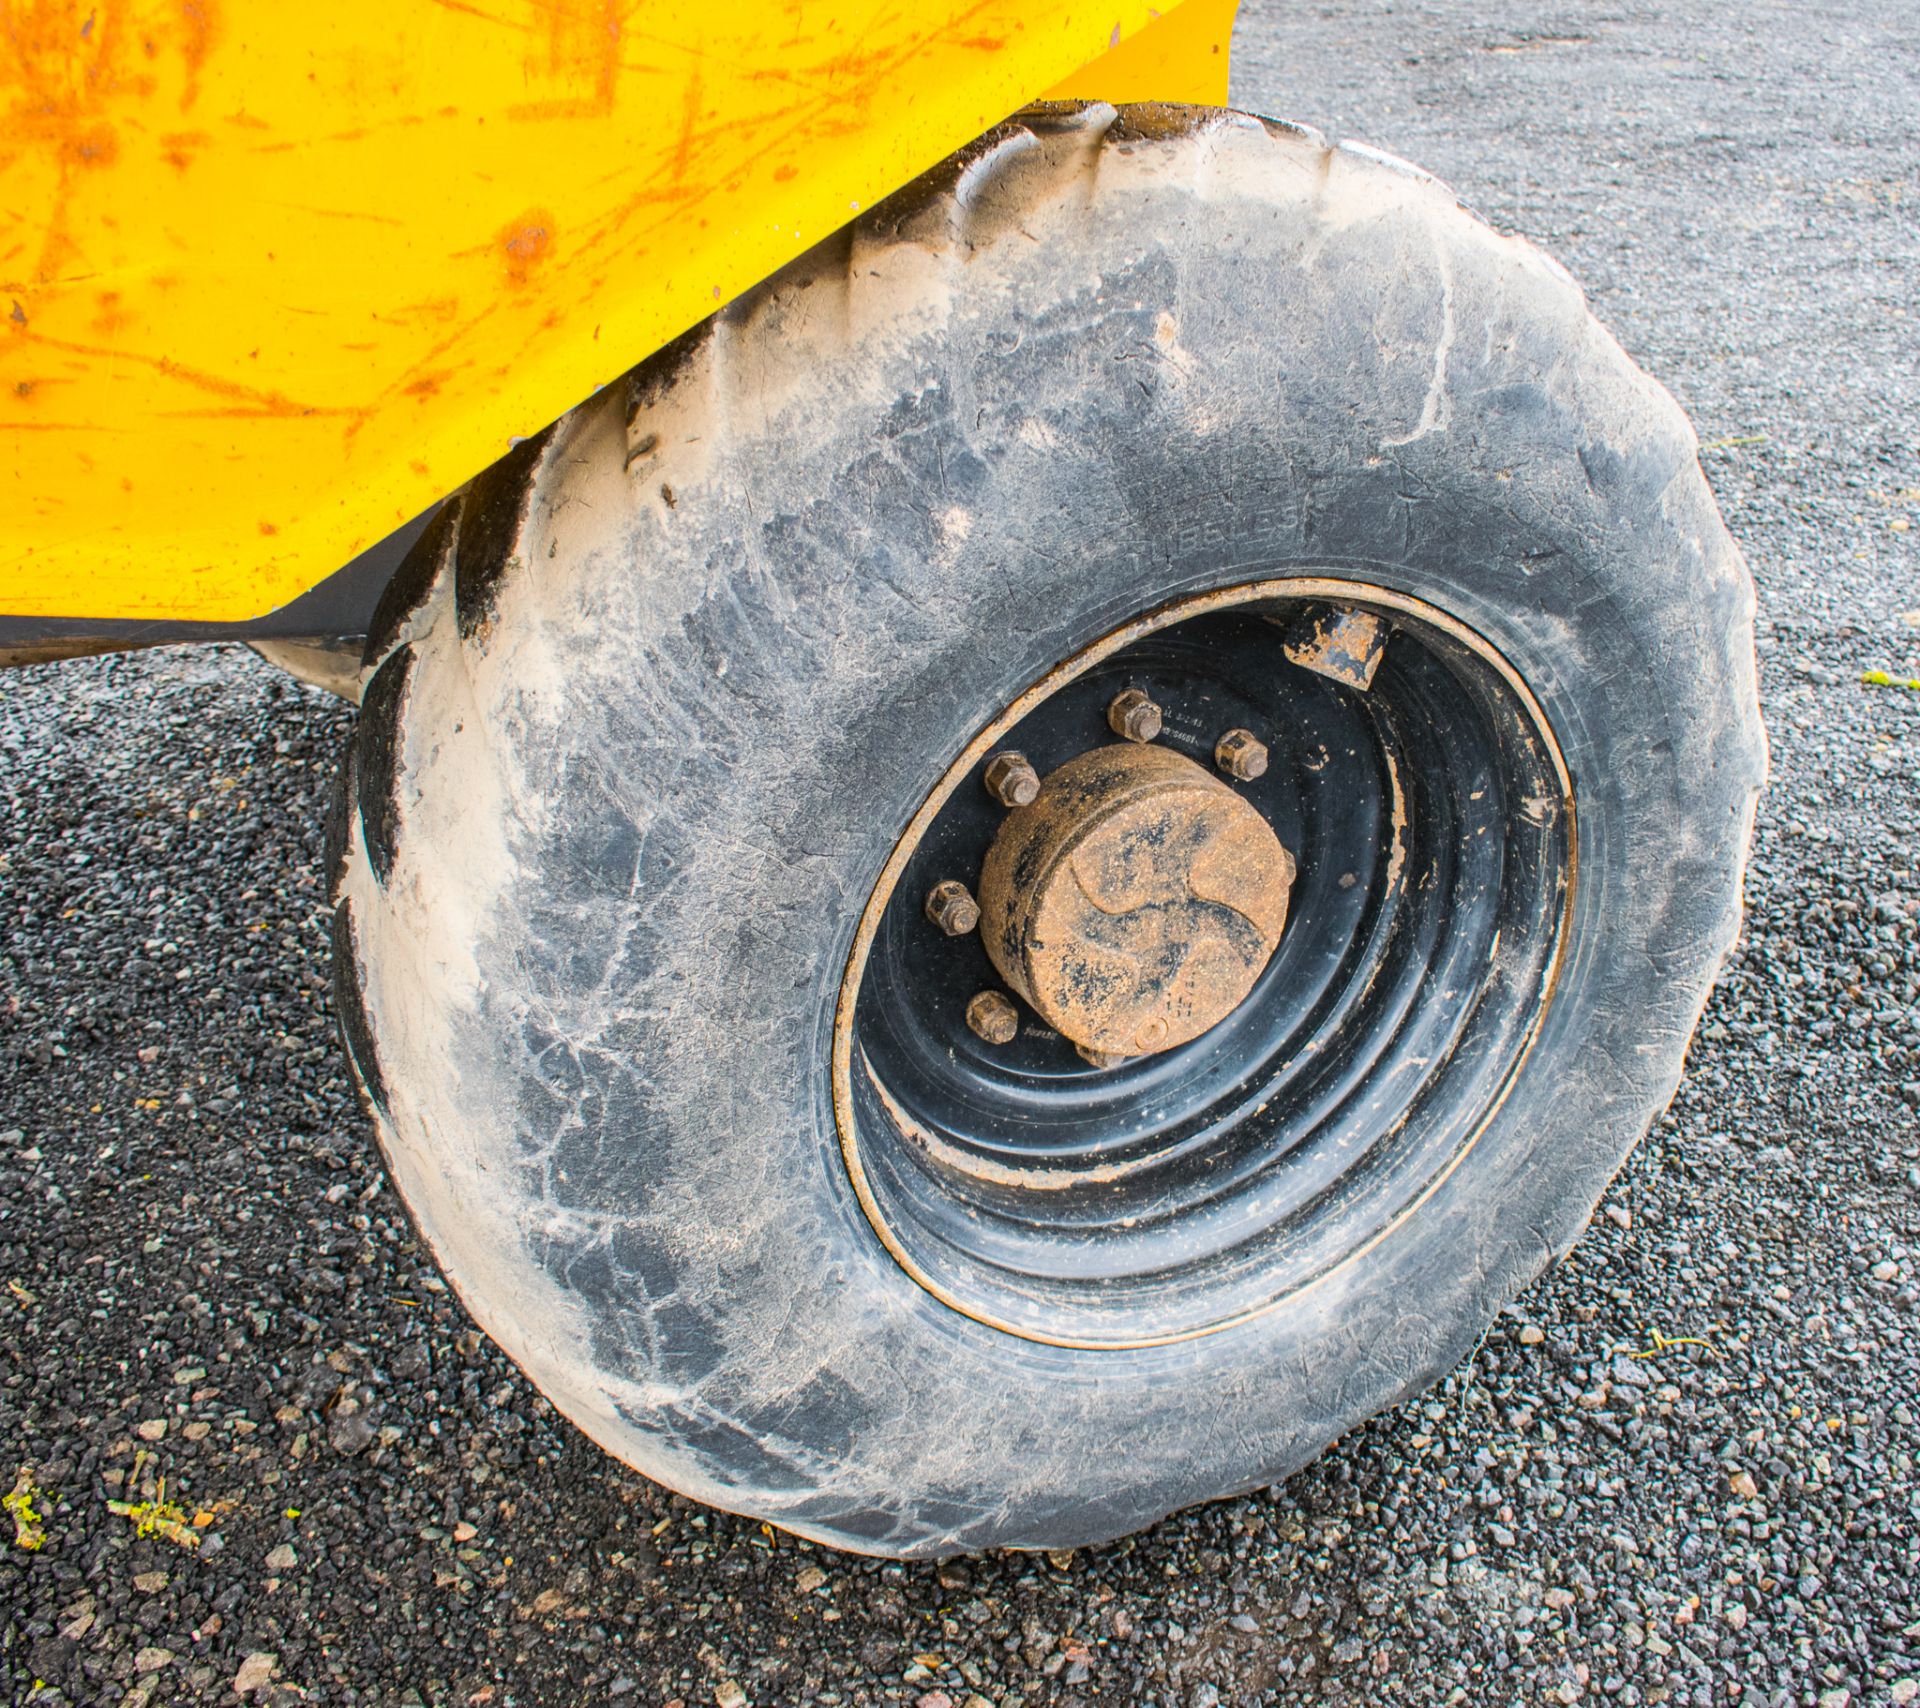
274,278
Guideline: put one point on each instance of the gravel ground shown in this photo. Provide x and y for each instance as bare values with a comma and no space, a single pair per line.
1681,1469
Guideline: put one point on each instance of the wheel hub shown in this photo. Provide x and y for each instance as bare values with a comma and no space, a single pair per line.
1136,900
1415,838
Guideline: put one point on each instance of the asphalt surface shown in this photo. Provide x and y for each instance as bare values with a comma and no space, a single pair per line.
1681,1469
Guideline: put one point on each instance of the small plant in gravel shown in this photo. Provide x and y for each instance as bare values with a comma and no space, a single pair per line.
157,1516
29,1526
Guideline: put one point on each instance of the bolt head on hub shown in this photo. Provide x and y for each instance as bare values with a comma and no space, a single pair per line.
1133,717
992,1018
1011,780
950,905
1241,754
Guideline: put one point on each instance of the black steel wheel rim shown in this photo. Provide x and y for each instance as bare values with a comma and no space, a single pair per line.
1431,818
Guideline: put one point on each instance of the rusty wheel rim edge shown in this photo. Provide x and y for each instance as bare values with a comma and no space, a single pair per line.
1336,588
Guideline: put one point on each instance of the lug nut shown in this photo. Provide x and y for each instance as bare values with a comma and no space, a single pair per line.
1133,716
993,1018
1011,780
1100,1058
950,905
1241,754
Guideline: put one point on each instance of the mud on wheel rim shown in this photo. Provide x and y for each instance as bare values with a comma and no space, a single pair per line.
1431,817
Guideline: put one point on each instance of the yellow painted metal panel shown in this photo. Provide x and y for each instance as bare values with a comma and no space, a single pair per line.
273,278
1179,57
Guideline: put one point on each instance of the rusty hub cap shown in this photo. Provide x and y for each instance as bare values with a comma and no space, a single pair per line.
1134,903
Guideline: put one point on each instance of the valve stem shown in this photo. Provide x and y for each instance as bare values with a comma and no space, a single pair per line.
1342,643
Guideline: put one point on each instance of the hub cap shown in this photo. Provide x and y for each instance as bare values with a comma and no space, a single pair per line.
1134,903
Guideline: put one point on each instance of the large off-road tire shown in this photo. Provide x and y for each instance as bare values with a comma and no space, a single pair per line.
656,702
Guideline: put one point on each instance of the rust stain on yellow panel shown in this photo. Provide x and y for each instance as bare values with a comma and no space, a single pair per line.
273,278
